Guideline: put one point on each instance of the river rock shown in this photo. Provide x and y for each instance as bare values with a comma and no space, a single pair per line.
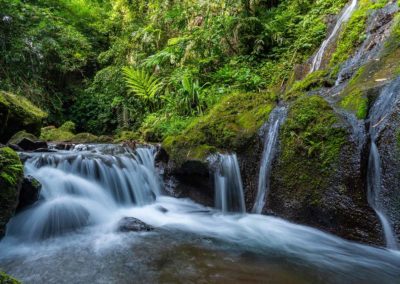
131,224
30,192
26,141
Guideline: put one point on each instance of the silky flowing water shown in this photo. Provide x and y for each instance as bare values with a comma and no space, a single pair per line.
345,16
70,235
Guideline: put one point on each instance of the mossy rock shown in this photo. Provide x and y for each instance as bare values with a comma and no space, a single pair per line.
68,126
11,174
229,126
316,178
124,136
6,279
369,78
51,133
16,114
84,138
311,139
17,137
312,81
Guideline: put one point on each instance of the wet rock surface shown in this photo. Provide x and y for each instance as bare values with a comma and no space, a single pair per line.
131,224
29,193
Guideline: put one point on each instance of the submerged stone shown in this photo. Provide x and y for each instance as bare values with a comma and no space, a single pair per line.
131,224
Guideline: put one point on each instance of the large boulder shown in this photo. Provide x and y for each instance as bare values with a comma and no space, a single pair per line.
25,141
16,114
11,175
317,178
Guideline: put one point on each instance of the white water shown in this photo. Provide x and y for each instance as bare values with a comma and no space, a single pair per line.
229,195
70,235
270,142
83,187
379,112
348,11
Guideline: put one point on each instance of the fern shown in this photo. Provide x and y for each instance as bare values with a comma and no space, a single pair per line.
142,84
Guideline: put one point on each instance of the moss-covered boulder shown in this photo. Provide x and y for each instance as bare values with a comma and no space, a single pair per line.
230,126
11,174
16,114
317,176
24,141
65,133
6,279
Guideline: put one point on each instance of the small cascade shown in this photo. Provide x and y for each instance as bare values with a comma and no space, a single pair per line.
380,110
276,119
229,195
83,186
348,11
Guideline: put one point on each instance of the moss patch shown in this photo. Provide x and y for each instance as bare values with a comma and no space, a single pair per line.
373,75
17,137
354,32
11,174
311,141
230,125
312,81
16,114
64,134
6,279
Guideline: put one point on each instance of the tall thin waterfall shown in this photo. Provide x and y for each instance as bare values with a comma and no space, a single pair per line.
380,110
348,11
270,141
83,187
229,195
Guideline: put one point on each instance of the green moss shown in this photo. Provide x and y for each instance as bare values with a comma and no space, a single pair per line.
17,114
354,32
62,134
68,126
356,102
11,167
311,141
17,137
312,81
51,133
230,125
6,279
11,173
371,76
85,138
126,136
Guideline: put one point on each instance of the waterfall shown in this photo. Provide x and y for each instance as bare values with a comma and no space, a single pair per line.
317,60
229,195
379,111
271,139
83,187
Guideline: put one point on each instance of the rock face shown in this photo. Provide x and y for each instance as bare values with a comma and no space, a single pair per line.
11,174
131,224
317,177
16,114
29,193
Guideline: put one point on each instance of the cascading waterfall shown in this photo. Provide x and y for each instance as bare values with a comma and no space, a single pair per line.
380,110
348,11
276,119
83,186
229,195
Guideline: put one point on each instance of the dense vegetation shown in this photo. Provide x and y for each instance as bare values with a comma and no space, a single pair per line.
178,57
